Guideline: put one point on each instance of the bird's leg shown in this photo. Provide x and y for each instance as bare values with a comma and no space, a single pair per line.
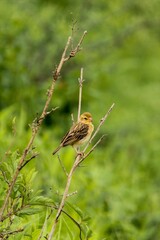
78,151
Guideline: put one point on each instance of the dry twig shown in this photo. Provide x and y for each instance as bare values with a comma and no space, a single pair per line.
81,80
28,160
42,116
99,126
62,166
65,194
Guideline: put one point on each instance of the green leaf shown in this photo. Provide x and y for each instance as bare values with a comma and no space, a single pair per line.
29,211
86,231
36,233
40,200
76,209
70,232
30,176
84,217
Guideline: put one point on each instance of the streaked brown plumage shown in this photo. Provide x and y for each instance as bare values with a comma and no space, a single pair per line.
79,133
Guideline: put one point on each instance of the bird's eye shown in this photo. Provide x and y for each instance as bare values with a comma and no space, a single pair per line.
85,118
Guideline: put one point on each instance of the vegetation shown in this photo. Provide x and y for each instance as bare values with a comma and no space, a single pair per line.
118,184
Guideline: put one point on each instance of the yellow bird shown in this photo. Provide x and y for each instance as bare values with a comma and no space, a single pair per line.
79,133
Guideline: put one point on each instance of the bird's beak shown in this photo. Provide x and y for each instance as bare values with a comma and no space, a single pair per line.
90,119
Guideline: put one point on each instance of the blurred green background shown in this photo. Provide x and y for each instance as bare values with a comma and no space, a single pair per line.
118,185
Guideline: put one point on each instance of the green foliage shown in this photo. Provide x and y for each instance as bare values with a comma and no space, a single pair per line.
118,185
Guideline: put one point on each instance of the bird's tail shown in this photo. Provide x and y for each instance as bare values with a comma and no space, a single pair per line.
57,149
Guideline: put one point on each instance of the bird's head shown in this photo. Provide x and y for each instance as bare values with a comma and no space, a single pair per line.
86,118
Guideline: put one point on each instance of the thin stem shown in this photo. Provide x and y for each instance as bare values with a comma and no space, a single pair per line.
99,126
77,49
80,42
92,149
80,93
65,195
62,166
27,161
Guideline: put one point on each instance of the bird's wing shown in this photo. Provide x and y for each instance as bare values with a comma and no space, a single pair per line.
76,133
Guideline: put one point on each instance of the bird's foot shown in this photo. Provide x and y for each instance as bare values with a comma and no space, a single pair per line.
80,153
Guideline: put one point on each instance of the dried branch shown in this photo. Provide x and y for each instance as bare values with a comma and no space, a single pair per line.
63,59
28,160
62,166
99,126
77,48
92,149
81,80
52,110
63,198
43,115
71,194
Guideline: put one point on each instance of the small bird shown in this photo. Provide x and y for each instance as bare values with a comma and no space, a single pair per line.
79,133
